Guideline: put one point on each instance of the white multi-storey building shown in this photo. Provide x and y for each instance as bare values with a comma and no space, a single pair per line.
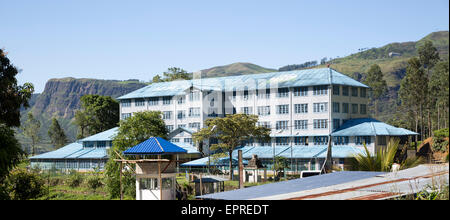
302,108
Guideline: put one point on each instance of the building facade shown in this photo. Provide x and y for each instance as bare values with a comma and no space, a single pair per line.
300,107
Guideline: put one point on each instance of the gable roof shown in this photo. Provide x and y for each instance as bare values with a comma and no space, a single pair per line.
296,78
155,146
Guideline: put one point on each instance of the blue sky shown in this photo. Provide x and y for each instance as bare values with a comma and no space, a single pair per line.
139,39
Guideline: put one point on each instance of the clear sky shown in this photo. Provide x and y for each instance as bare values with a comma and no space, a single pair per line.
138,39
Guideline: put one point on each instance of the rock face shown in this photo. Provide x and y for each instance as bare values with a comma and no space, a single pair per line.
61,97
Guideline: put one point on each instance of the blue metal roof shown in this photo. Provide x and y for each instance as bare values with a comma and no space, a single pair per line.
202,162
60,153
107,135
74,151
155,145
369,127
291,186
189,147
296,78
267,152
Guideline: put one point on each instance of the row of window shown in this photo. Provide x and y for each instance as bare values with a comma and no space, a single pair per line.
345,108
99,144
282,92
347,89
321,107
166,100
177,140
318,140
298,124
193,125
304,140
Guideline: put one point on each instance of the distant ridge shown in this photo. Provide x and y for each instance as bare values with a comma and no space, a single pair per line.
235,69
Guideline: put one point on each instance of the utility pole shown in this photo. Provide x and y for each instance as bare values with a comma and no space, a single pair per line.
241,170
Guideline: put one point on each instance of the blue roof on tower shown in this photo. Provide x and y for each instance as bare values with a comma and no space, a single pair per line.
155,145
296,78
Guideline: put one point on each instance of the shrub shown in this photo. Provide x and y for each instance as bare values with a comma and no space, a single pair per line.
24,185
75,179
439,142
94,182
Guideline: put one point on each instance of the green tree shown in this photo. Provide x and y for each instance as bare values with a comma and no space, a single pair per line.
428,57
12,96
98,113
414,89
132,131
378,85
11,155
231,131
280,164
439,90
172,74
31,130
57,136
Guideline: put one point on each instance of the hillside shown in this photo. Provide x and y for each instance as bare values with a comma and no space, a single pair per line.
393,68
61,98
235,69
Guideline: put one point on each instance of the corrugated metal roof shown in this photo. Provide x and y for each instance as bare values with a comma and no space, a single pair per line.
296,78
155,145
224,161
291,186
189,147
96,153
60,153
369,127
74,151
267,152
107,135
341,152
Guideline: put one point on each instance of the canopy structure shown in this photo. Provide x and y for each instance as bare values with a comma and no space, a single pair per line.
369,127
155,146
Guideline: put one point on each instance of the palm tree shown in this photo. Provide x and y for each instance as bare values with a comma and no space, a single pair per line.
382,160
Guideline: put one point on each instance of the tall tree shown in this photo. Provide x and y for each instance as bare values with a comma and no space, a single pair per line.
31,130
439,89
98,113
57,136
231,131
413,90
132,131
428,57
12,97
378,85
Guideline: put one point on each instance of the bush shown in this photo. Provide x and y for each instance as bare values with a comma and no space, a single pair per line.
24,185
439,143
75,179
94,182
